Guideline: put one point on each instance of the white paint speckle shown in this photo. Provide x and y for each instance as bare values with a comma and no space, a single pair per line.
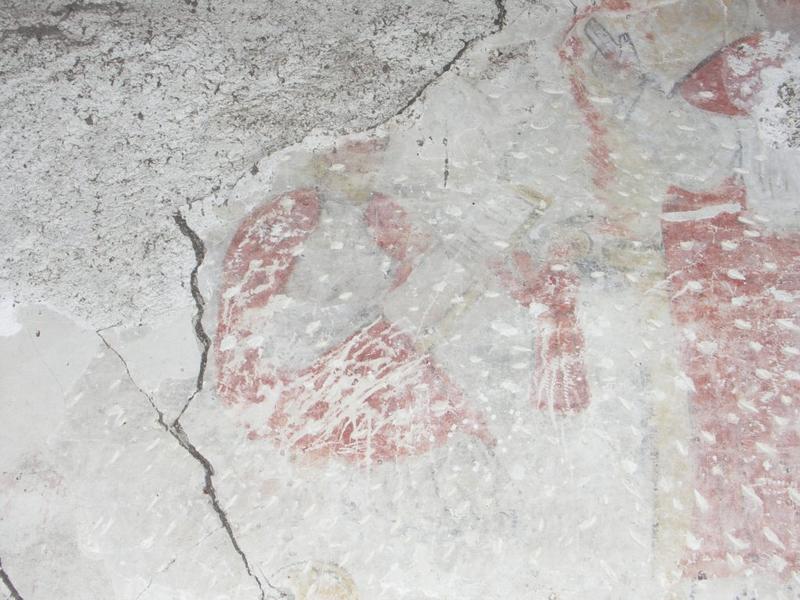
504,329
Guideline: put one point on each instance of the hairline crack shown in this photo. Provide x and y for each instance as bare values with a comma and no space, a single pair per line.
176,431
499,22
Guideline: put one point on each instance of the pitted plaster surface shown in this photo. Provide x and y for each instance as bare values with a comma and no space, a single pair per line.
115,115
326,301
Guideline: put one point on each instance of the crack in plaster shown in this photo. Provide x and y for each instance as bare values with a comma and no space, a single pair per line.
177,432
499,23
8,583
199,249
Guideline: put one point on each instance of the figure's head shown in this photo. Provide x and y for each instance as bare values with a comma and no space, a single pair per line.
350,167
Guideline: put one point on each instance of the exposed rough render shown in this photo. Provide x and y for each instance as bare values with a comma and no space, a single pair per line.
499,22
475,299
123,112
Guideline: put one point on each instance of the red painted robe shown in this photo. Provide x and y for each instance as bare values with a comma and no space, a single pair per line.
370,398
735,294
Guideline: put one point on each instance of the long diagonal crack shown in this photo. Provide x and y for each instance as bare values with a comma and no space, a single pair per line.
176,431
499,23
8,583
200,306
